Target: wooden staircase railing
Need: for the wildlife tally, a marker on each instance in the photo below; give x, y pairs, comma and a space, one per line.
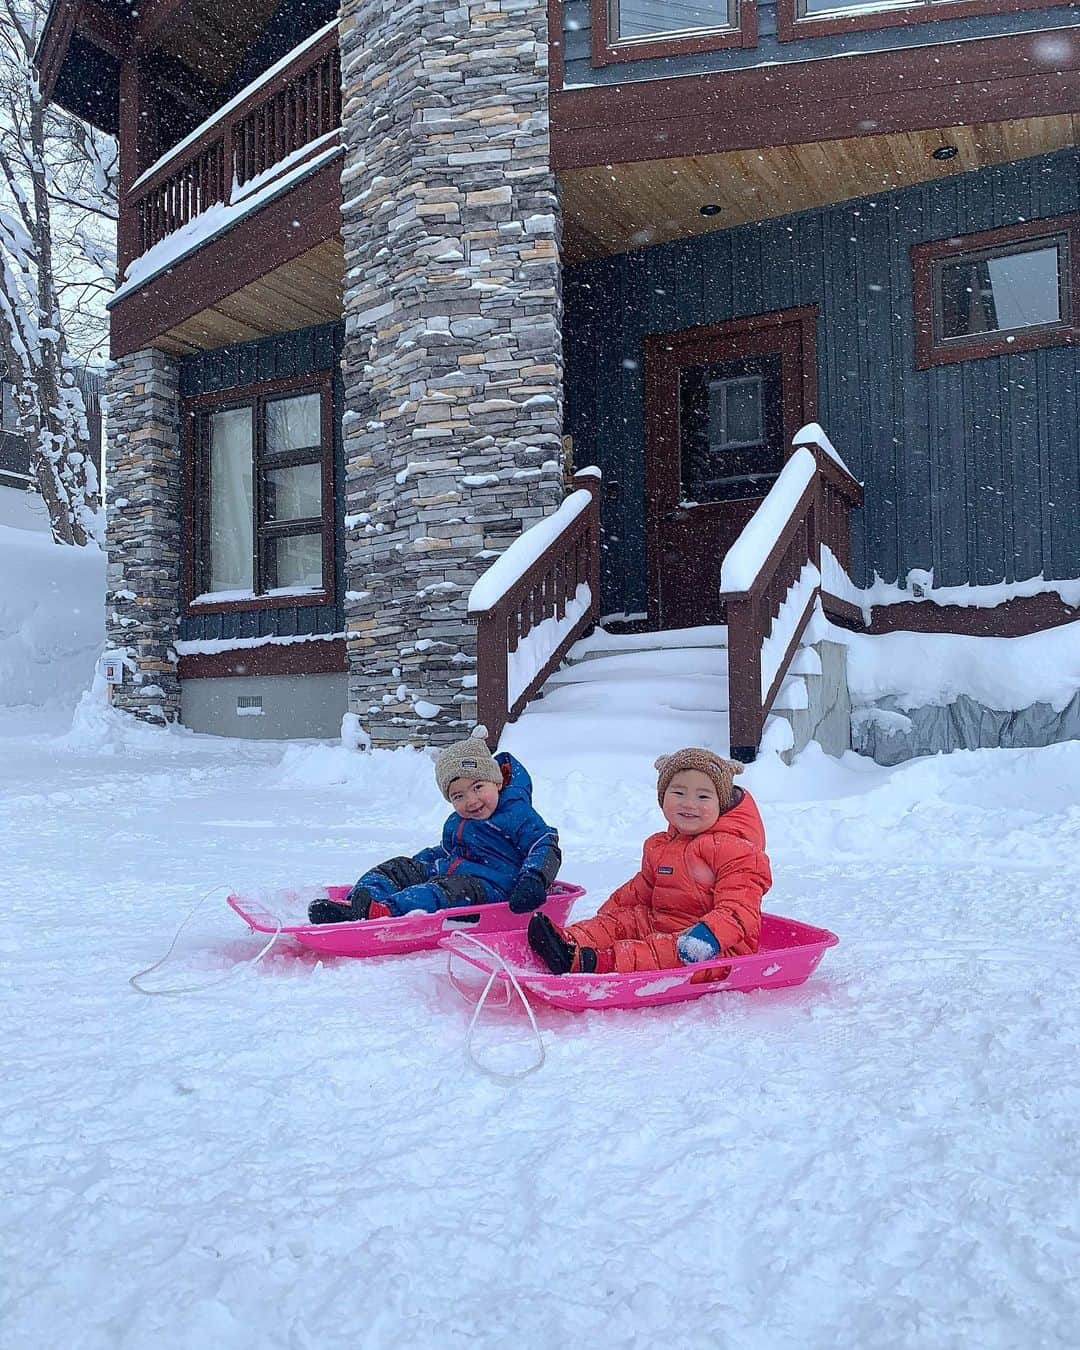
298, 104
534, 603
771, 579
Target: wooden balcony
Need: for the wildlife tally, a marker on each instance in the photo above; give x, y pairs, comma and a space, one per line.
235, 231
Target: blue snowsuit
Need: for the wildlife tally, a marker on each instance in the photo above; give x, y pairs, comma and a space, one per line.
479, 861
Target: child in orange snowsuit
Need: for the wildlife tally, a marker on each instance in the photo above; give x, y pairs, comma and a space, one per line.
698, 894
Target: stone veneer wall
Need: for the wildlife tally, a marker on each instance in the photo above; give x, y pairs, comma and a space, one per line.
891, 735
453, 351
143, 478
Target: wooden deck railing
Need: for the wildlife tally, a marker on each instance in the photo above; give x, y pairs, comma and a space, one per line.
300, 103
534, 603
771, 579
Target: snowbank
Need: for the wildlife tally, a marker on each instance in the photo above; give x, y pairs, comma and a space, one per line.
52, 615
885, 1158
933, 669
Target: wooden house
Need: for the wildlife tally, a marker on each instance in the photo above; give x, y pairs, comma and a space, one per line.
382, 264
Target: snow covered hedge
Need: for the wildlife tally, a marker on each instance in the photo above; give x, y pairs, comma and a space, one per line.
52, 612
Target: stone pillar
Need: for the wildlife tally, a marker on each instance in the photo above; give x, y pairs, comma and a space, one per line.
453, 351
143, 477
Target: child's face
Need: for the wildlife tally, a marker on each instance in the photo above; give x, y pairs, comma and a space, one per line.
690, 802
473, 799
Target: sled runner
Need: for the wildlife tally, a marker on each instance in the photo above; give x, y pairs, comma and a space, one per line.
788, 955
286, 912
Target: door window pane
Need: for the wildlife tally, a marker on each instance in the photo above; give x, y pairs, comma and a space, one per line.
735, 414
294, 423
298, 561
294, 493
231, 501
647, 18
1001, 292
730, 428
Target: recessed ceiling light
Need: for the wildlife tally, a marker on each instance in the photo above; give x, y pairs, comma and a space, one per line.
710, 209
944, 152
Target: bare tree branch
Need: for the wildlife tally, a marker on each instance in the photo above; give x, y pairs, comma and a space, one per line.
57, 205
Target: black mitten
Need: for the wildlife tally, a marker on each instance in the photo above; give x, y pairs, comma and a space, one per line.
528, 892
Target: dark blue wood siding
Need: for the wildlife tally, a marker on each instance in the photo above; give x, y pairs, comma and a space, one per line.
577, 37
283, 356
972, 469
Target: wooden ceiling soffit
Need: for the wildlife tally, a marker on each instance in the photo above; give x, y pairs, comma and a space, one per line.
626, 206
212, 37
304, 291
98, 25
913, 88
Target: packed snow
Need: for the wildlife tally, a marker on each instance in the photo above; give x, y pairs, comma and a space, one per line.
934, 669
303, 1156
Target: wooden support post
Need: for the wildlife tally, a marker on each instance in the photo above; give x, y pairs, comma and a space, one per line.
138, 148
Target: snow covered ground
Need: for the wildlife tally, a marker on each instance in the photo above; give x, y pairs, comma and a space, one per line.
303, 1157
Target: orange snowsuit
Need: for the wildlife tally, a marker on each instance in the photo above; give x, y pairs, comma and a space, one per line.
717, 877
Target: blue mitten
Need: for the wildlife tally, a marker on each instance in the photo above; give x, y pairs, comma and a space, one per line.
528, 892
697, 944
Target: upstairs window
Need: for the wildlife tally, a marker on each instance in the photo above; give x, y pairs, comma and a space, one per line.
656, 18
1001, 291
816, 18
262, 497
634, 30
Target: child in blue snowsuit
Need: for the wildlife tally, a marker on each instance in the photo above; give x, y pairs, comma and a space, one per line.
494, 848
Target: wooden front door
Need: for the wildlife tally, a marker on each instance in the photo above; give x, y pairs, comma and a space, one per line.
722, 404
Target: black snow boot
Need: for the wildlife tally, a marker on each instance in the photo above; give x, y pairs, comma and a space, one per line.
329, 911
561, 956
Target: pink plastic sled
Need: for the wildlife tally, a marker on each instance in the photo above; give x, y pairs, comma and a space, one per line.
388, 937
788, 955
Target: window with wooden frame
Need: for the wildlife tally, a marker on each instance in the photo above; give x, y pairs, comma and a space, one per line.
996, 292
261, 496
818, 18
633, 30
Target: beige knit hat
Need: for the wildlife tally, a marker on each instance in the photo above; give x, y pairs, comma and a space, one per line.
466, 759
719, 771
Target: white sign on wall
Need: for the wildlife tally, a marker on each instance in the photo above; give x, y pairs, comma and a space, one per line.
111, 668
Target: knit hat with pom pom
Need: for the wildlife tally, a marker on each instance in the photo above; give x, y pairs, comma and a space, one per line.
466, 759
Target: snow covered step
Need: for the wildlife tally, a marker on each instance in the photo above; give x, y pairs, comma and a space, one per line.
659, 662
625, 723
663, 662
701, 686
602, 643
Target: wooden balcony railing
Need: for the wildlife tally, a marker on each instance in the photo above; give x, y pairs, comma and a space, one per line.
771, 578
534, 603
296, 104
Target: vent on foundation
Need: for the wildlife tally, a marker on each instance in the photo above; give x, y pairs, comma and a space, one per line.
249, 705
